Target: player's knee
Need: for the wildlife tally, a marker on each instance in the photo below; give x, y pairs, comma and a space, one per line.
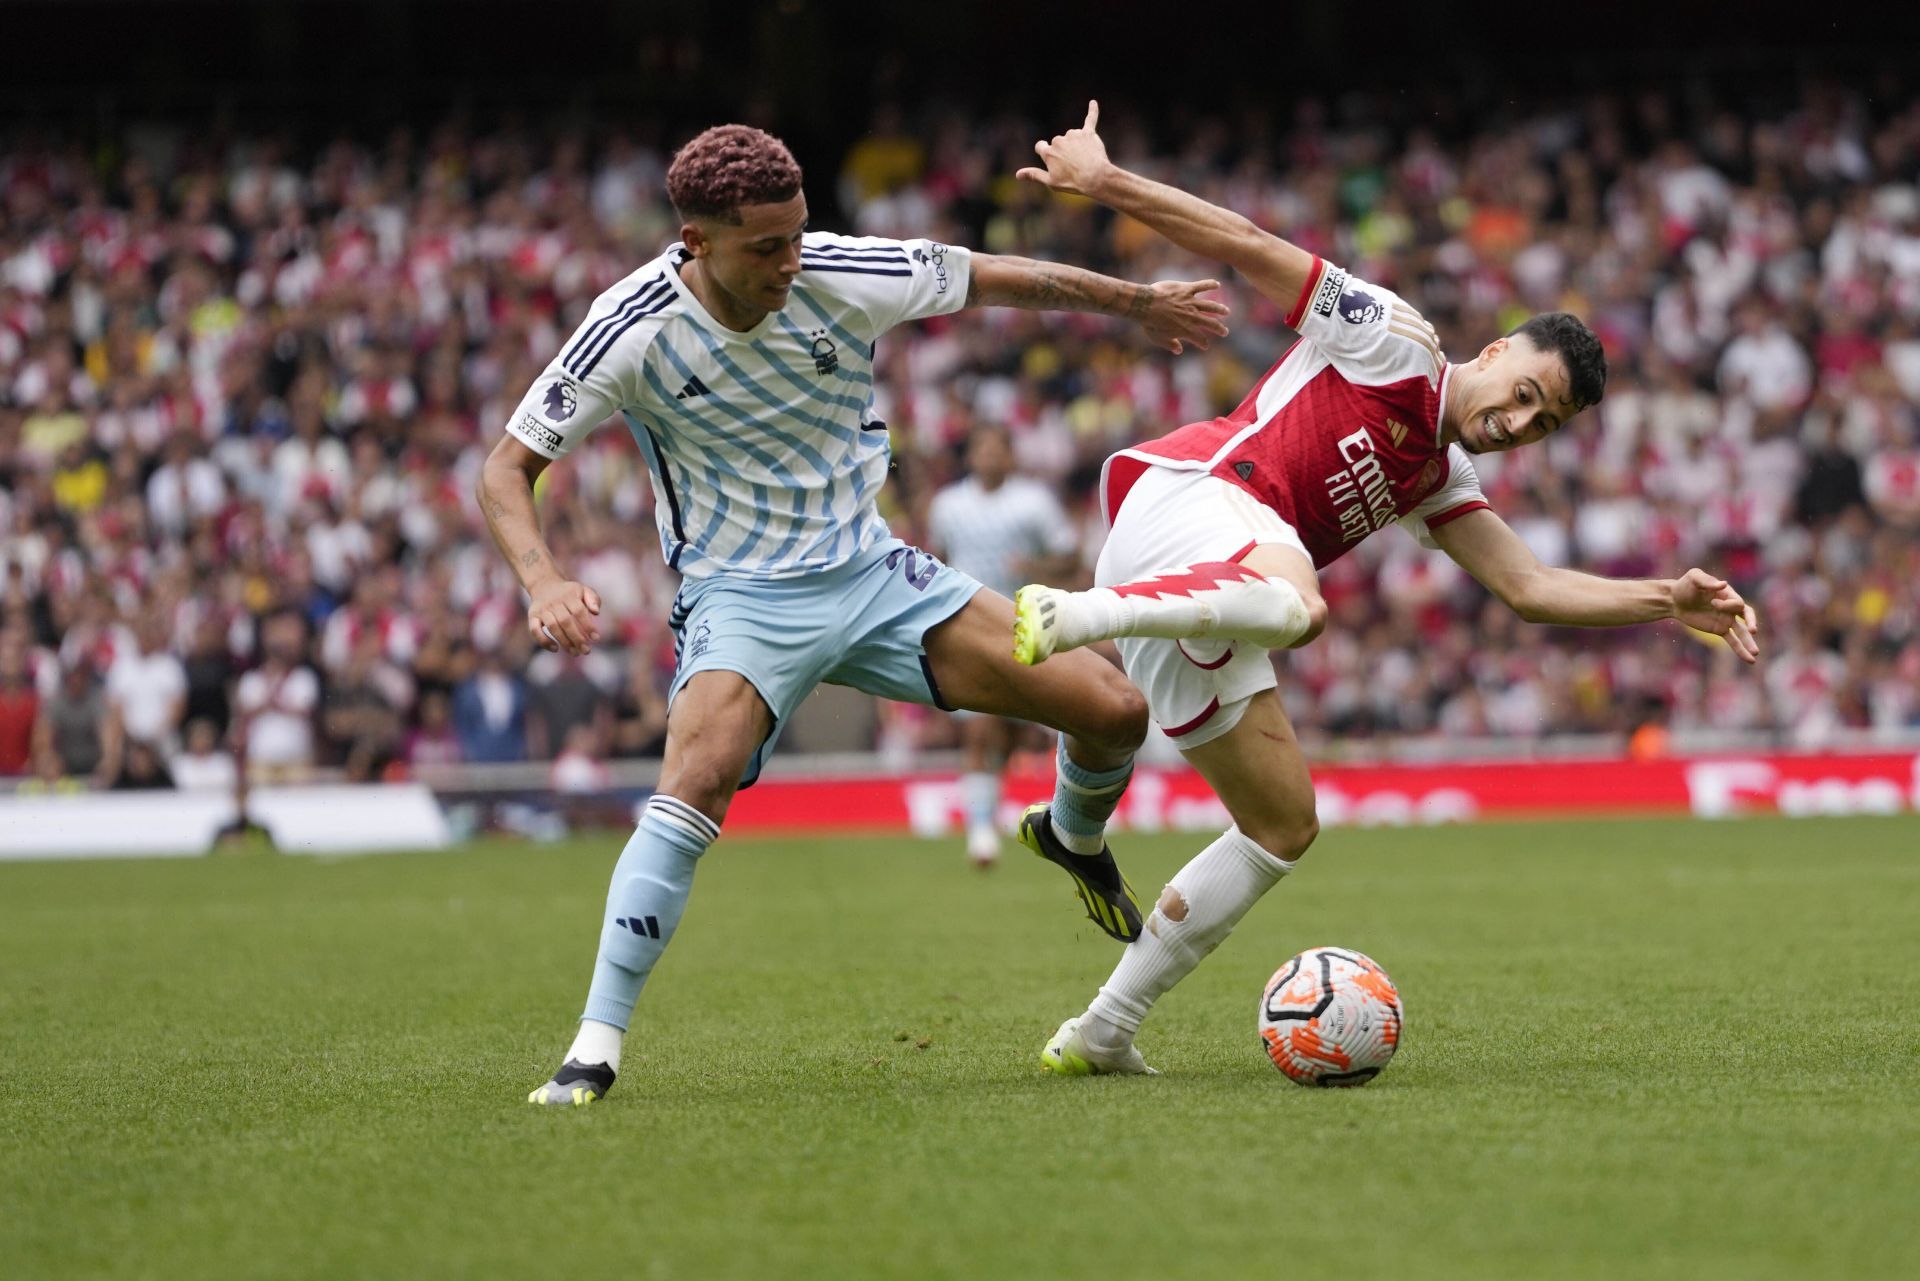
1316, 616
705, 781
1121, 717
1293, 837
1285, 836
1316, 605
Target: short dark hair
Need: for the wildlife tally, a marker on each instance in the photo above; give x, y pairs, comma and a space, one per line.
728, 166
1567, 336
994, 428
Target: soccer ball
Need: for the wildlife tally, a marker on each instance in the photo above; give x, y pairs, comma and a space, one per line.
1330, 1016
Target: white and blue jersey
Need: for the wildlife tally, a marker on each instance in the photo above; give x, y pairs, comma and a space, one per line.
988, 532
765, 454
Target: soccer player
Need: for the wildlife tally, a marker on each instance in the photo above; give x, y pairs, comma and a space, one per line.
742, 361
1003, 529
1216, 532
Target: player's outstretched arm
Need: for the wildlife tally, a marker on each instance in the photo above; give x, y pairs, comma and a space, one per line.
1173, 312
562, 613
1483, 545
1076, 162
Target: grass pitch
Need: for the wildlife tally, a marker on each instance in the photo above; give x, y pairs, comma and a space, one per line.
1633, 1049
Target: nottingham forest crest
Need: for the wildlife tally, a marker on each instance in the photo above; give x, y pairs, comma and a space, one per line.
826, 356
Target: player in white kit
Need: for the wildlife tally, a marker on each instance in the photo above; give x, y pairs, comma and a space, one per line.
1003, 529
1218, 529
742, 362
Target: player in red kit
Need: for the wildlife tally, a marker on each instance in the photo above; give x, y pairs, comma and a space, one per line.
1217, 532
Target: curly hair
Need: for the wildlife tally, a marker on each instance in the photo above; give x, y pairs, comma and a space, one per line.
1566, 335
728, 166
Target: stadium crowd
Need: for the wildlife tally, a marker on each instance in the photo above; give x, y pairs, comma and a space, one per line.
245, 390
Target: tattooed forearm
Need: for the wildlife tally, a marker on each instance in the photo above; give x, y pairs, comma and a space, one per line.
1047, 290
506, 496
1044, 286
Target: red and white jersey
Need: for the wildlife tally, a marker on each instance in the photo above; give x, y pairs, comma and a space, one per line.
1342, 436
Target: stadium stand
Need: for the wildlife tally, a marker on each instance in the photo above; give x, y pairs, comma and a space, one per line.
245, 388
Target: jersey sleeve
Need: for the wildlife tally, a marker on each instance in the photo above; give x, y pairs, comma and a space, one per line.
590, 379
890, 281
1458, 493
1370, 333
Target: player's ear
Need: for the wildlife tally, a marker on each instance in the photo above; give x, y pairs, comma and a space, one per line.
695, 239
1488, 354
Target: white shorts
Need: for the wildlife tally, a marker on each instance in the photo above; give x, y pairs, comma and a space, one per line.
1196, 690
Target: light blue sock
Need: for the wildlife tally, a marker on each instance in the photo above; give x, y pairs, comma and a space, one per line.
980, 796
649, 892
1084, 799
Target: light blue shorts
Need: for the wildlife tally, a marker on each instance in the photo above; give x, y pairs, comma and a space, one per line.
862, 624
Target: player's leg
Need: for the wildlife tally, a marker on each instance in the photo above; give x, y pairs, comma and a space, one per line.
1102, 718
1215, 698
1266, 595
986, 742
1086, 698
1258, 770
713, 729
934, 635
716, 723
736, 682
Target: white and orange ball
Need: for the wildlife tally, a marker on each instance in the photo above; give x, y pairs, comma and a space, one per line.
1330, 1016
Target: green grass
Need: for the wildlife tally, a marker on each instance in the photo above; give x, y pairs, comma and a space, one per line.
1633, 1049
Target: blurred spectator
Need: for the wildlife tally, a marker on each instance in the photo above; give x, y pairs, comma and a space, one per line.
275, 703
1764, 366
148, 688
490, 712
185, 488
433, 742
19, 705
366, 706
78, 735
209, 671
640, 714
564, 699
373, 614
202, 764
144, 769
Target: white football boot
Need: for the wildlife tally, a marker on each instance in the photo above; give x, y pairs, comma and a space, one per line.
1038, 613
1071, 1054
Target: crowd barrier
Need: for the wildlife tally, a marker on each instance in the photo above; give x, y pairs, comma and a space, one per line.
1179, 800
343, 819
299, 820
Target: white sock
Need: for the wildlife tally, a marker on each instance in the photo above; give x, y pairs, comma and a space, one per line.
597, 1043
1203, 903
1218, 599
1078, 842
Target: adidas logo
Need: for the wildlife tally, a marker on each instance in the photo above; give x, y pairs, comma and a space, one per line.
694, 387
1243, 470
647, 927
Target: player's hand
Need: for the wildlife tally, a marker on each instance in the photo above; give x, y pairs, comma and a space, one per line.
1710, 604
1075, 160
1175, 315
563, 616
